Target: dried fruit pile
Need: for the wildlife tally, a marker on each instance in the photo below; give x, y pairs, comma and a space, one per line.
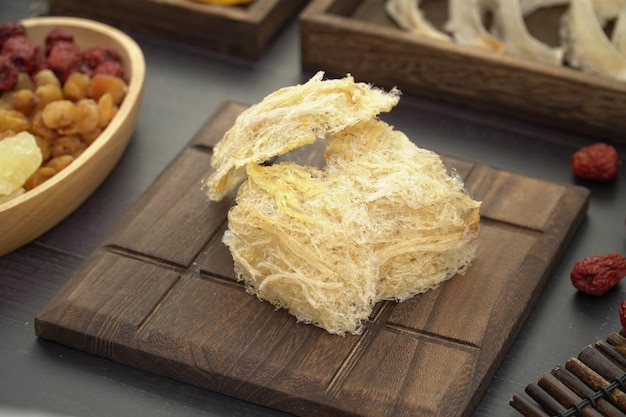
62, 95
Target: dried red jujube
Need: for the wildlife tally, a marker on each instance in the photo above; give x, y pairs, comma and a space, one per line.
597, 162
597, 274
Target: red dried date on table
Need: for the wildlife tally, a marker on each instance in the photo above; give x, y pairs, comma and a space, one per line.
597, 274
597, 162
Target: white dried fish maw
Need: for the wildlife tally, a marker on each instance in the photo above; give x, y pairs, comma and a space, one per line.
408, 16
586, 44
289, 118
465, 23
618, 37
510, 28
605, 10
530, 6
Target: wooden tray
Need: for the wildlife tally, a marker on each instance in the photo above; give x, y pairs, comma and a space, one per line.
245, 32
159, 294
354, 36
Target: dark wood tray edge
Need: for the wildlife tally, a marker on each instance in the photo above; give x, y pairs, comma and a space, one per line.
325, 36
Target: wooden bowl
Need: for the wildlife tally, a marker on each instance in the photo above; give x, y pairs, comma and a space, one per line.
28, 216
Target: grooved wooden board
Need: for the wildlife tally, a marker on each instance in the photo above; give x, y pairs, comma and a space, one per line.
159, 295
241, 31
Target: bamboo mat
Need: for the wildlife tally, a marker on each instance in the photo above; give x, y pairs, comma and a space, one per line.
589, 385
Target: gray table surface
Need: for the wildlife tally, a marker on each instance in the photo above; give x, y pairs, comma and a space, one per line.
186, 86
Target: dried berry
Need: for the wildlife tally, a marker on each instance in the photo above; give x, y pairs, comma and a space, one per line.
97, 55
11, 29
8, 74
597, 274
597, 162
110, 68
22, 52
64, 59
57, 34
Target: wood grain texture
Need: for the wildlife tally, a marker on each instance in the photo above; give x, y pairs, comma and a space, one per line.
244, 32
160, 295
343, 36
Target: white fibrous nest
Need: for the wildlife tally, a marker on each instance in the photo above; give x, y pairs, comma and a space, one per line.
290, 118
382, 220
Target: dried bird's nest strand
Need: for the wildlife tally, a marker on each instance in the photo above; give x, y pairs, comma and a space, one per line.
584, 43
289, 118
381, 220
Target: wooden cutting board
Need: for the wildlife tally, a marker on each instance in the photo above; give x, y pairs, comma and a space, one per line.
159, 295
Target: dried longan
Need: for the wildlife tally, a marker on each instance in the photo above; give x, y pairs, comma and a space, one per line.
68, 145
48, 93
106, 110
39, 177
25, 101
105, 83
59, 114
39, 128
45, 147
75, 87
90, 137
86, 117
13, 120
60, 162
46, 76
69, 130
24, 82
